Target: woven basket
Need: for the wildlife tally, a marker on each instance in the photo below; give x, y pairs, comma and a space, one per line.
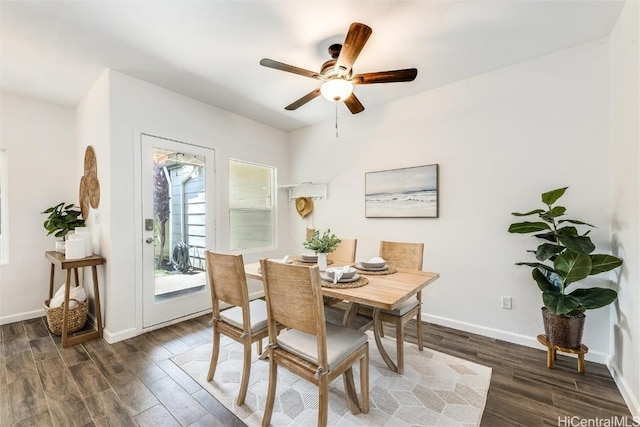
76, 320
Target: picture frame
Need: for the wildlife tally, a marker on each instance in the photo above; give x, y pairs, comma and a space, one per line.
410, 192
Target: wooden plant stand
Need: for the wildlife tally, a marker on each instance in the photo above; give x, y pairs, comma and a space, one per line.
58, 259
552, 349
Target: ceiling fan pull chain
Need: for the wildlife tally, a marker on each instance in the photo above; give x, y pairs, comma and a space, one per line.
336, 120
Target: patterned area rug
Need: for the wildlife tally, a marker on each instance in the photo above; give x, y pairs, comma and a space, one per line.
436, 389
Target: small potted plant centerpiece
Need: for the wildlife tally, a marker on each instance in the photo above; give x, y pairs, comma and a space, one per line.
322, 245
564, 258
62, 218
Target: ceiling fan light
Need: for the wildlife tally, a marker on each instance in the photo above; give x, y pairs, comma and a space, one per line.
336, 90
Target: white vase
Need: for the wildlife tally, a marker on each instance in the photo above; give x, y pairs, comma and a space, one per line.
75, 247
60, 246
86, 235
322, 261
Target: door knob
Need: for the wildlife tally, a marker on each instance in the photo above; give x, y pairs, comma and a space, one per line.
149, 240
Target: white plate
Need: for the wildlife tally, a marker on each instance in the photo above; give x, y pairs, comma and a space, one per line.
372, 264
329, 279
383, 268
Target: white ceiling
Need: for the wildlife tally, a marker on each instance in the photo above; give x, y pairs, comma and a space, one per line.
209, 50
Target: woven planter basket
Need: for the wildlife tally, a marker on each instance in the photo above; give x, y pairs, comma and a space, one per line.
76, 320
563, 331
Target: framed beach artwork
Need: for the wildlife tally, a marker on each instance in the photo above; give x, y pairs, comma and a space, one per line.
402, 193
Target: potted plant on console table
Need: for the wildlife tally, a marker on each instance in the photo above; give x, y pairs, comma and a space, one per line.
322, 245
61, 220
564, 258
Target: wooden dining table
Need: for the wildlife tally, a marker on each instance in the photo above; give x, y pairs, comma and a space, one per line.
382, 292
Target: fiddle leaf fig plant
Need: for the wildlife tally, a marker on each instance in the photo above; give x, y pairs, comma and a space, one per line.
565, 257
62, 218
326, 243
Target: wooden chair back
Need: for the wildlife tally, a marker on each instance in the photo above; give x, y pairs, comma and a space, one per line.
345, 252
294, 300
245, 322
402, 255
228, 282
294, 297
409, 256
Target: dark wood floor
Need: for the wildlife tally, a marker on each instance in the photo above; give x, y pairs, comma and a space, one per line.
134, 383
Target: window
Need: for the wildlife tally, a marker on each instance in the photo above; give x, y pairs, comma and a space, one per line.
4, 214
251, 206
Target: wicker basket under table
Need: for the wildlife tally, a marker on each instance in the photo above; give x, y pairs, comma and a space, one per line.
75, 321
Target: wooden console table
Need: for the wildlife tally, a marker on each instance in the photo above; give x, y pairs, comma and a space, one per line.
58, 259
551, 352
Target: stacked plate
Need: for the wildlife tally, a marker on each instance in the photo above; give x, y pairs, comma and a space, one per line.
374, 264
309, 258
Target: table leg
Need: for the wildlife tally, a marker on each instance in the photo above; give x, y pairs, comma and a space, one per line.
350, 313
376, 335
53, 270
65, 315
75, 274
96, 298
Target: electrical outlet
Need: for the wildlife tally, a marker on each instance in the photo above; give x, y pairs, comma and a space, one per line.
505, 302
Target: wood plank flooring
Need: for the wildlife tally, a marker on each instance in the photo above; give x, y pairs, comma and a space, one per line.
133, 382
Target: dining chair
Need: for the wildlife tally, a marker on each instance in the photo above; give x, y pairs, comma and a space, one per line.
244, 322
345, 252
310, 347
409, 256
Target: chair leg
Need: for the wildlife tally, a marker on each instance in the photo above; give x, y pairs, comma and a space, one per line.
364, 382
323, 401
271, 392
400, 344
419, 320
214, 354
246, 369
259, 347
350, 391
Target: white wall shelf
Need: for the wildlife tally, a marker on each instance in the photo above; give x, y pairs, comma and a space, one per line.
306, 189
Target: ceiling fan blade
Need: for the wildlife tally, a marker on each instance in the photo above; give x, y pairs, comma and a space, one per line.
354, 42
406, 75
300, 102
353, 104
289, 68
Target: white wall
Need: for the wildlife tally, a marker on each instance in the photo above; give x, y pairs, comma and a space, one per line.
134, 105
92, 129
625, 199
40, 142
501, 139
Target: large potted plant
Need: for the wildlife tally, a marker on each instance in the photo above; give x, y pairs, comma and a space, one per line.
62, 218
564, 258
322, 245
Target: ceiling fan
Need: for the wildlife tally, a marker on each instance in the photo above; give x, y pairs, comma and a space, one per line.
336, 74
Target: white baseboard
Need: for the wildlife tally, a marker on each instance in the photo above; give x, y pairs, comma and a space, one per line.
627, 392
19, 317
111, 337
528, 341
